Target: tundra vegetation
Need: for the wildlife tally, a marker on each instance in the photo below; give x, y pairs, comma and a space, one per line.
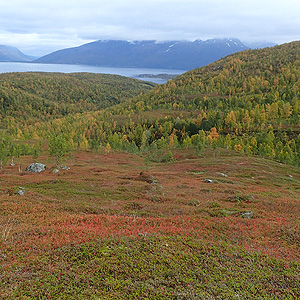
187, 190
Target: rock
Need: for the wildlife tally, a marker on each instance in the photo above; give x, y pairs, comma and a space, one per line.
222, 174
241, 198
21, 191
208, 181
64, 168
247, 214
146, 177
36, 168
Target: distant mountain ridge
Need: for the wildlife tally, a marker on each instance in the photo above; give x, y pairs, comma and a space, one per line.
184, 55
13, 54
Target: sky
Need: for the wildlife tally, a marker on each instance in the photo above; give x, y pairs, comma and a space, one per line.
39, 27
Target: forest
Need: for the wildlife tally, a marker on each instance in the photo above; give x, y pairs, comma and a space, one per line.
248, 102
45, 96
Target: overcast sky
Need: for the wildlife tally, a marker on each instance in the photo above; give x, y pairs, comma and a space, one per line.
38, 27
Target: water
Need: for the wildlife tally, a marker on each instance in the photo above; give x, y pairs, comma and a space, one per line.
7, 67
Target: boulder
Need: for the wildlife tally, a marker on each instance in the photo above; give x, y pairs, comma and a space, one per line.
64, 168
146, 177
21, 191
208, 181
247, 214
222, 174
36, 168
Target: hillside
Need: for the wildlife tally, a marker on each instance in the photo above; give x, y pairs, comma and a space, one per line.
102, 230
251, 99
188, 191
182, 55
266, 80
248, 102
43, 96
12, 54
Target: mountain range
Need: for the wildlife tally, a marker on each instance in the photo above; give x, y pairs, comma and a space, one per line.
12, 54
183, 55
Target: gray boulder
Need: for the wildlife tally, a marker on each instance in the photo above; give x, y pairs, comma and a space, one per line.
65, 168
247, 214
21, 191
36, 168
208, 181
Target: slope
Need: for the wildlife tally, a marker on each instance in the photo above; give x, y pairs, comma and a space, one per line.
250, 82
12, 54
183, 55
44, 96
251, 99
167, 201
247, 102
104, 230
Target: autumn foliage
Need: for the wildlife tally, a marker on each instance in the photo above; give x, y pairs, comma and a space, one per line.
187, 190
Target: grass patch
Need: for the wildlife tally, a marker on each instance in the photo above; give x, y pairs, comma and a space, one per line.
150, 267
106, 230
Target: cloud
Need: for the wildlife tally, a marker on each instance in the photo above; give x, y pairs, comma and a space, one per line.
40, 27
